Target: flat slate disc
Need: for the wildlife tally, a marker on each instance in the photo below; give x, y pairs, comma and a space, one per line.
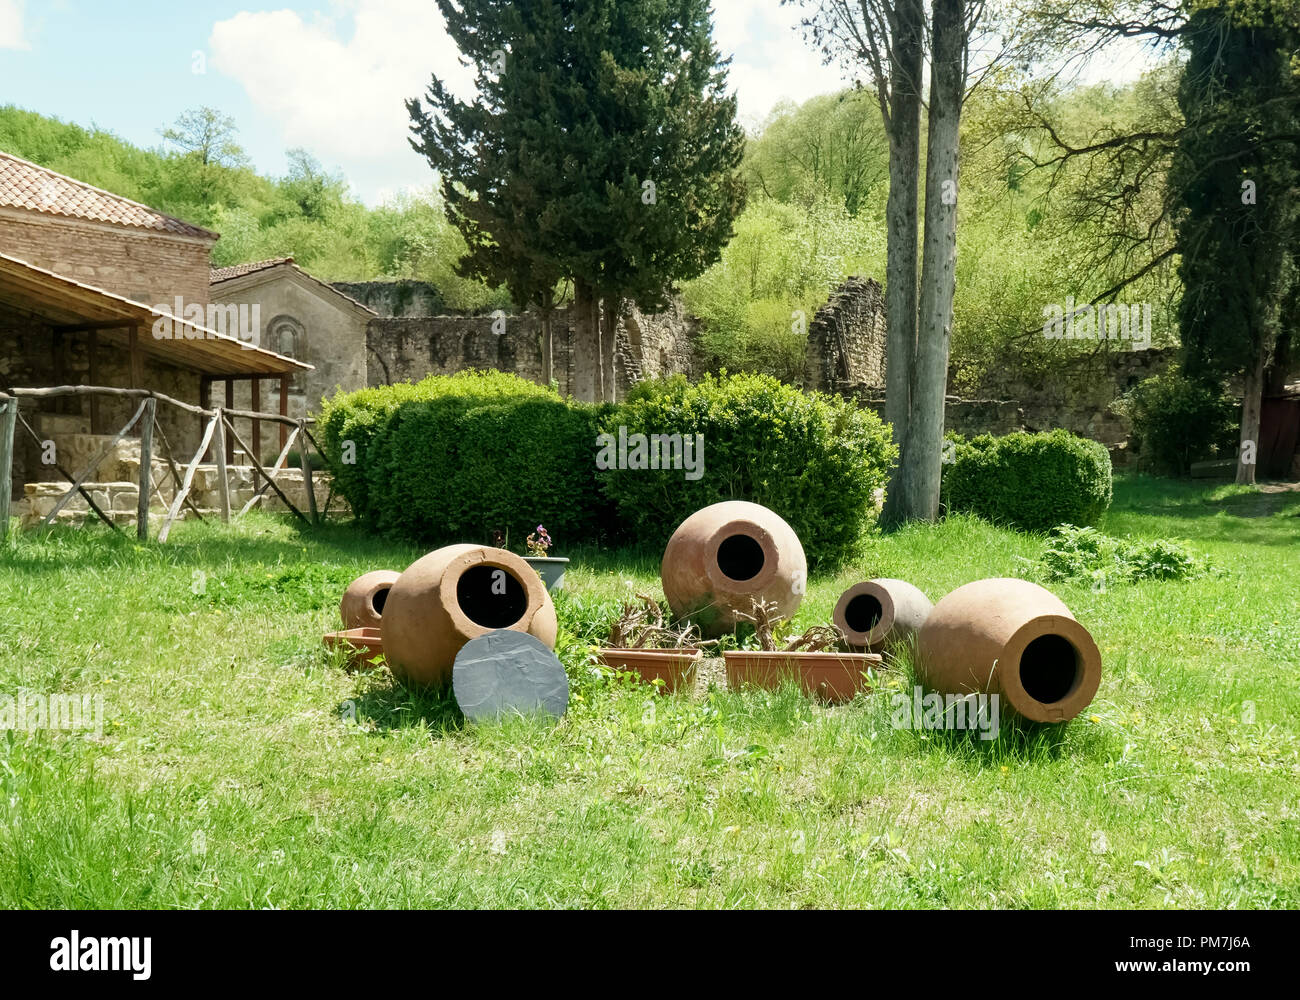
507, 673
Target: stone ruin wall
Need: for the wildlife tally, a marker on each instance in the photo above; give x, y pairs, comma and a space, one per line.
845, 355
402, 348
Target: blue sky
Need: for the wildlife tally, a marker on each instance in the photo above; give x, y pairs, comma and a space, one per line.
329, 76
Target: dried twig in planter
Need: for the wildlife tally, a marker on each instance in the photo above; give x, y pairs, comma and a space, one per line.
642, 626
765, 617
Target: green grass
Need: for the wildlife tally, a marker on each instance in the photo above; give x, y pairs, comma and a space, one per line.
240, 766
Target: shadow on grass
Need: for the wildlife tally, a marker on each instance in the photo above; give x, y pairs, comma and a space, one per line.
392, 706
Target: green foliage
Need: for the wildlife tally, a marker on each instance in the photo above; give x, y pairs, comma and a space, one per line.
1178, 420
1233, 179
832, 146
783, 260
1030, 481
544, 172
813, 459
453, 458
1085, 554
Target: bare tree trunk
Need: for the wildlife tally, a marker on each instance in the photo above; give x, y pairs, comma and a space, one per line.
547, 309
1279, 365
1252, 403
586, 344
939, 261
904, 124
609, 342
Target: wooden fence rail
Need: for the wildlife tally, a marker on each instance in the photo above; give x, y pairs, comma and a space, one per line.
146, 417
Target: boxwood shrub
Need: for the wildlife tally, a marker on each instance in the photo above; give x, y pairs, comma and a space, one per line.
813, 459
1179, 420
453, 458
1030, 481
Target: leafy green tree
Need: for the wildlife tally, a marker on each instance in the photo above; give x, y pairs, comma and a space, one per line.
1236, 174
600, 149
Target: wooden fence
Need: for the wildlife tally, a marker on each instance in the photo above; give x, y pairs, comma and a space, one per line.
146, 418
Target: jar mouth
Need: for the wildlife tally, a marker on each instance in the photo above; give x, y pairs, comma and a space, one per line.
741, 556
486, 590
1050, 669
865, 614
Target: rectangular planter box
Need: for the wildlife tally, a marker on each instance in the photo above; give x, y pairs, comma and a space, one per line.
675, 667
836, 677
361, 644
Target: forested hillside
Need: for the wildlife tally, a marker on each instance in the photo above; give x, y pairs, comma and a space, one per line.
817, 187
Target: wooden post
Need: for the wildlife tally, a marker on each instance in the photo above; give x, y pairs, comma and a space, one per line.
230, 404
136, 376
256, 442
8, 417
305, 452
146, 470
284, 409
223, 478
205, 400
92, 351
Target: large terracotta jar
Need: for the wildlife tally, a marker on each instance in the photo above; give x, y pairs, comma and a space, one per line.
363, 602
877, 614
456, 594
1014, 639
722, 558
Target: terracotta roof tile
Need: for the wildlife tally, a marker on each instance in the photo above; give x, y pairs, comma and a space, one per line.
27, 185
239, 270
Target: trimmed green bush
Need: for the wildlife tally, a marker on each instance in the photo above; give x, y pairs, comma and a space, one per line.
813, 459
1178, 421
1030, 481
453, 458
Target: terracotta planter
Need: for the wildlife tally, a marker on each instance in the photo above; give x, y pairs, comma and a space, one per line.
723, 557
836, 677
879, 613
456, 594
550, 569
361, 644
363, 602
1014, 639
675, 667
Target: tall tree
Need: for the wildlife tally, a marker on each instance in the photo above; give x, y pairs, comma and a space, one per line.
1236, 172
885, 42
601, 148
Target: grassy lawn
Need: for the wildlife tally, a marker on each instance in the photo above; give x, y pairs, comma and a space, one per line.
239, 766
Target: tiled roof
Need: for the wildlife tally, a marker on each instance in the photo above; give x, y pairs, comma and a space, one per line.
239, 270
220, 274
28, 185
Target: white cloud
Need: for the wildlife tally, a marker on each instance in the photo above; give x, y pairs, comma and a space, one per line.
342, 98
771, 61
11, 25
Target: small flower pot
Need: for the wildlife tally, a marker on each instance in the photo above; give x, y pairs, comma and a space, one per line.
550, 569
675, 667
835, 677
361, 644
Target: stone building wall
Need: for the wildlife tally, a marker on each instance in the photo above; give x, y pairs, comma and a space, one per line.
304, 321
146, 266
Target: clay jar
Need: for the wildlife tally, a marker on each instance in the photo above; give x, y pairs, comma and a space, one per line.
879, 613
456, 594
363, 602
1015, 639
722, 558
